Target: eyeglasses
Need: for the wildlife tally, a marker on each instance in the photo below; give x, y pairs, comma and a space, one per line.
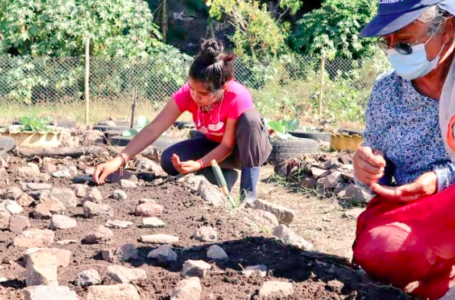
402, 48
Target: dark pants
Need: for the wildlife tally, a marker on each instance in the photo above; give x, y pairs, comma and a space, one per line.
252, 146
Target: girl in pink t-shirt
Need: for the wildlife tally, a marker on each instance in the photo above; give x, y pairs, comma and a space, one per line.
230, 130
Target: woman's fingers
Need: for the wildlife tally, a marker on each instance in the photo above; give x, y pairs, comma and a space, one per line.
406, 193
96, 175
366, 154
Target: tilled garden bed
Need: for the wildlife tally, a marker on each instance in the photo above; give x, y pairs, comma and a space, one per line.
197, 224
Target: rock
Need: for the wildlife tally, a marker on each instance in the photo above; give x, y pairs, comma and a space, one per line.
11, 206
276, 290
261, 218
47, 208
338, 188
63, 257
43, 177
62, 174
211, 195
125, 275
80, 190
127, 184
118, 224
318, 173
25, 200
308, 183
93, 209
206, 234
83, 179
34, 238
331, 164
87, 278
90, 171
12, 193
62, 222
4, 218
41, 269
101, 234
66, 196
335, 286
330, 181
93, 195
92, 137
195, 268
34, 187
215, 252
145, 200
288, 237
123, 253
260, 269
17, 223
119, 195
356, 195
187, 289
159, 239
49, 293
48, 168
283, 214
152, 223
111, 292
66, 242
163, 254
149, 209
29, 171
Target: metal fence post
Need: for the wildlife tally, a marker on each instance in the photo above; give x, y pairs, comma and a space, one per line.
321, 88
87, 77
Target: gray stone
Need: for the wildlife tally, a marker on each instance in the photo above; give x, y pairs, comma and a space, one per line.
18, 223
163, 254
34, 238
48, 168
12, 193
195, 268
260, 269
62, 256
93, 209
66, 242
276, 290
93, 195
261, 218
152, 222
283, 214
330, 181
62, 174
318, 173
159, 239
49, 293
356, 195
331, 164
101, 234
127, 184
215, 252
47, 208
66, 196
80, 190
11, 206
339, 187
4, 218
111, 292
33, 187
119, 195
29, 171
285, 235
88, 278
118, 224
206, 234
25, 200
123, 253
187, 289
125, 275
92, 137
309, 183
149, 209
212, 195
41, 269
62, 222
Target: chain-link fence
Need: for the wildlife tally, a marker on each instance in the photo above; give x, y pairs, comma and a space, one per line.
288, 87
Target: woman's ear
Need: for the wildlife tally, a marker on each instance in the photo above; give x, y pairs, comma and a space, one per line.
449, 30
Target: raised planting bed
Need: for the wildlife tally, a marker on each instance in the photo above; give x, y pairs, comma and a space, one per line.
49, 138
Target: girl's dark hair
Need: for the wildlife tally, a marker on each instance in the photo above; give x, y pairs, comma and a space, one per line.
212, 65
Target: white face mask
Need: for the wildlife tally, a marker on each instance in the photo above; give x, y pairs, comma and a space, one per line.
414, 65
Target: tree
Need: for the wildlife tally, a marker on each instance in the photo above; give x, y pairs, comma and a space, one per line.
257, 32
335, 29
117, 28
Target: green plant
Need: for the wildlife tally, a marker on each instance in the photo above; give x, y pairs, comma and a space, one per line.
283, 127
35, 124
334, 29
141, 123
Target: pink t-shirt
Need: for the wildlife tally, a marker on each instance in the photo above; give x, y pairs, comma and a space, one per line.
237, 99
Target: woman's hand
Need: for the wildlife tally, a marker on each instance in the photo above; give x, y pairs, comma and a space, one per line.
185, 167
369, 165
425, 186
104, 170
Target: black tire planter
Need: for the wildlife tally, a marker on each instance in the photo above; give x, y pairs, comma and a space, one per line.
317, 136
360, 132
287, 149
104, 128
161, 143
